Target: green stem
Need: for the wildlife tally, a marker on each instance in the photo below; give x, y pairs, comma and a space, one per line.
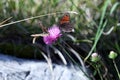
95, 43
100, 29
35, 18
99, 72
118, 73
26, 19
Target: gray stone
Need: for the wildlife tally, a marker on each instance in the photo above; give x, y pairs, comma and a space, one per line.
12, 68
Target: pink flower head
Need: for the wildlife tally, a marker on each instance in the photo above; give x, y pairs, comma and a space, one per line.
54, 34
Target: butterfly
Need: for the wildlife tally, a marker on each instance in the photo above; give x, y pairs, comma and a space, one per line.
64, 23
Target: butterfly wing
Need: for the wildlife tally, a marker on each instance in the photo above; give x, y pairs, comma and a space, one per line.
65, 18
66, 27
65, 24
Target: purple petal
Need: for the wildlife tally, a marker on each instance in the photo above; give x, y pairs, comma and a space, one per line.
54, 34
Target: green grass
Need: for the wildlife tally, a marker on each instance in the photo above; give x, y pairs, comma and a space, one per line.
92, 21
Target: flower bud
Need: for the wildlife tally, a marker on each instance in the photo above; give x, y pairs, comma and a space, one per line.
95, 57
112, 55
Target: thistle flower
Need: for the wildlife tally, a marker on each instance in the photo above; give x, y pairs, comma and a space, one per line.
54, 33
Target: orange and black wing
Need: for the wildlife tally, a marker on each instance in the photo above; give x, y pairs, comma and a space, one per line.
65, 24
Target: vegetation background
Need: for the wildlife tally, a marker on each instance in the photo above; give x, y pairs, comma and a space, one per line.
97, 29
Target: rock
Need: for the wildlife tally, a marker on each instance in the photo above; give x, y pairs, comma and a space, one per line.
12, 68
